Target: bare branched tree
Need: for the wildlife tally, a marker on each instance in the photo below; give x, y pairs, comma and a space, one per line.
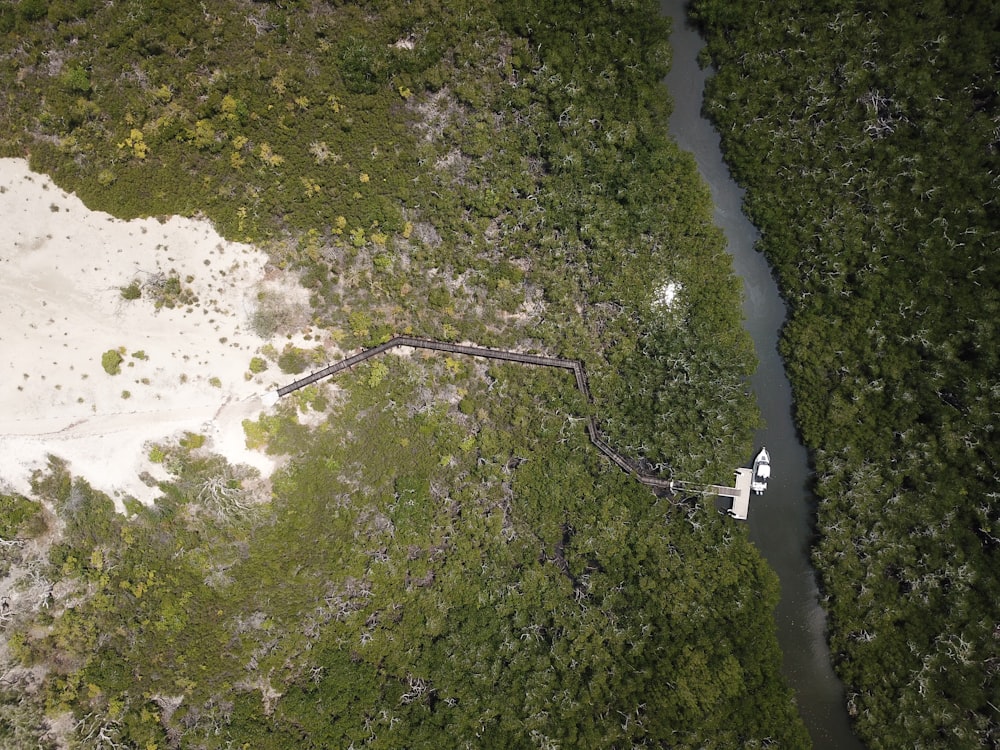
100, 732
225, 493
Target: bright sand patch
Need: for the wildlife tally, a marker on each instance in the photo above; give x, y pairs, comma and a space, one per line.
62, 267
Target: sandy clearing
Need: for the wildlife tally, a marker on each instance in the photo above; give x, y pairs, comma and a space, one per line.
61, 270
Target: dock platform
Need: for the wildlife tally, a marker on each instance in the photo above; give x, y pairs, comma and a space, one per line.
740, 494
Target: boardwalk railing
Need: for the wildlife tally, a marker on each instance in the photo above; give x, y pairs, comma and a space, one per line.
625, 464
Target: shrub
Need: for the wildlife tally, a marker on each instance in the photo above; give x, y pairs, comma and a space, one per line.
169, 291
192, 441
439, 298
258, 365
256, 434
111, 361
33, 10
132, 291
293, 360
376, 374
76, 80
16, 514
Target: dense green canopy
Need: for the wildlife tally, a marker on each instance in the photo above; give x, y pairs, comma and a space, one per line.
443, 559
868, 136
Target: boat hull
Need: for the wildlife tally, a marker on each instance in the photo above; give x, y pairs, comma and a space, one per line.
761, 472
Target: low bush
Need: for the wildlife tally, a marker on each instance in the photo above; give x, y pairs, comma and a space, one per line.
293, 360
131, 292
111, 361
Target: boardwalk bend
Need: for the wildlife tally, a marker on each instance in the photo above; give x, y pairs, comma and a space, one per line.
740, 494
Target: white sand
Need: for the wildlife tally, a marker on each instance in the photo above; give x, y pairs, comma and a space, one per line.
61, 270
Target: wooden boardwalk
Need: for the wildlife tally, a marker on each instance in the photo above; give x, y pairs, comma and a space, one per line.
740, 494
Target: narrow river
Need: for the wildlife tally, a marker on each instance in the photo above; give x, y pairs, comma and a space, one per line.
780, 520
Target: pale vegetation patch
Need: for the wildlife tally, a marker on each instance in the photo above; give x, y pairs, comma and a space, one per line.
666, 295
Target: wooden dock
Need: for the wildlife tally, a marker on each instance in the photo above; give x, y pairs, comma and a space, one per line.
740, 494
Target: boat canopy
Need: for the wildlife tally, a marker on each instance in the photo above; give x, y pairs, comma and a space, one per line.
764, 470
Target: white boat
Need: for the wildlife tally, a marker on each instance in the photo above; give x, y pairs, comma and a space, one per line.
761, 472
